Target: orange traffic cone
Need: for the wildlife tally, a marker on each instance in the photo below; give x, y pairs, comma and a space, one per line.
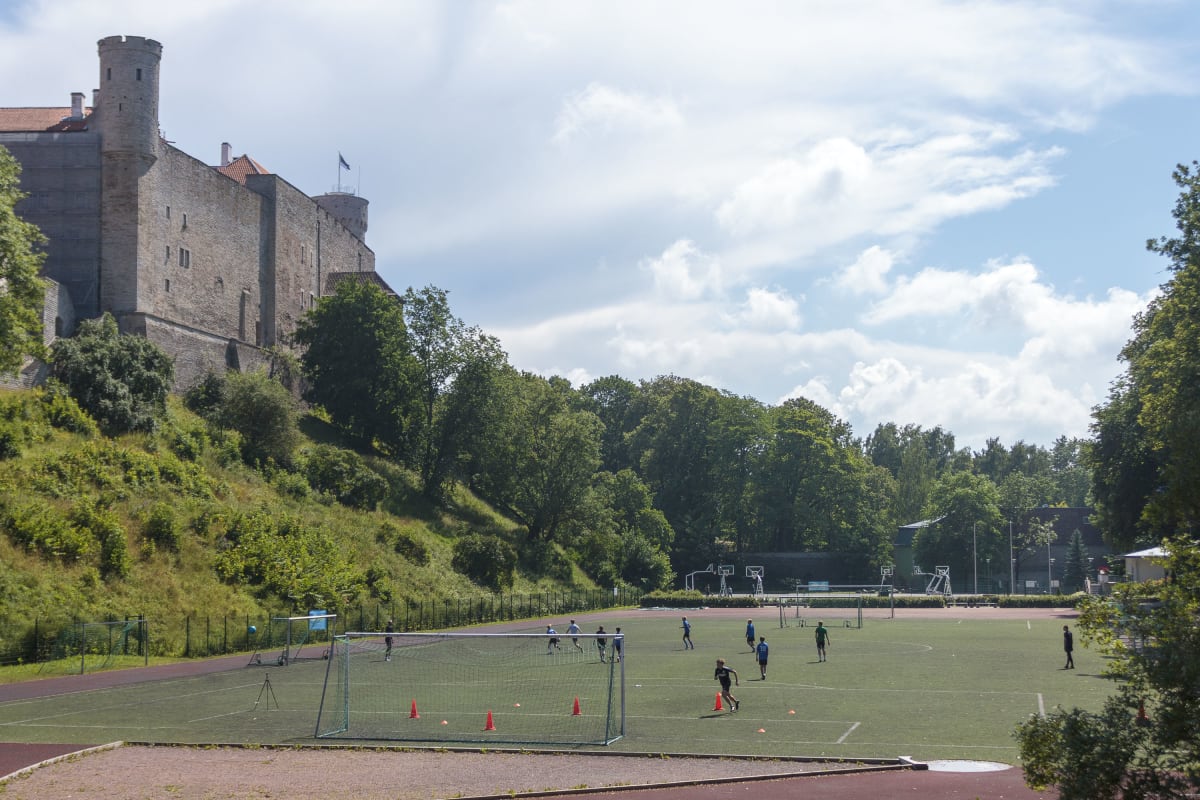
576, 712
718, 706
413, 714
490, 725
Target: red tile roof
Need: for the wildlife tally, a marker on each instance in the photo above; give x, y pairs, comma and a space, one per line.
242, 166
38, 120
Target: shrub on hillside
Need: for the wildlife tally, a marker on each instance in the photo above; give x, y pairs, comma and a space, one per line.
162, 527
344, 475
64, 413
259, 409
103, 525
413, 550
121, 381
39, 527
487, 560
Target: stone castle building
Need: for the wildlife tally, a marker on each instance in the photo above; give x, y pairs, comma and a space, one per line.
212, 263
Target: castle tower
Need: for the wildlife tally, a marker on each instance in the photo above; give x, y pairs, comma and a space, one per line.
126, 116
348, 209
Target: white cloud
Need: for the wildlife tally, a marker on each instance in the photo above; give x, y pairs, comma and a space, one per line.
682, 272
767, 309
603, 108
868, 273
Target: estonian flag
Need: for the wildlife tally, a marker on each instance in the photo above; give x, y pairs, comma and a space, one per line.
342, 162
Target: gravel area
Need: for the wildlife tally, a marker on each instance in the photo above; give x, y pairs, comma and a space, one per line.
229, 773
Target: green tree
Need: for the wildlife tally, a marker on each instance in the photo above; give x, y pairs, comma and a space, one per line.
22, 292
1076, 568
460, 369
1146, 457
262, 411
121, 381
540, 455
970, 528
360, 369
1106, 755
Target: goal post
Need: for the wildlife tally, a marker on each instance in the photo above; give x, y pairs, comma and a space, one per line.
290, 636
91, 646
838, 609
511, 688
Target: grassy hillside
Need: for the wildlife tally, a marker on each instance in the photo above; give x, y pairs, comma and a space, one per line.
172, 525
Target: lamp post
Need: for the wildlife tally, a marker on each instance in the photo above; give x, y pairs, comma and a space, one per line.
1049, 567
1012, 561
989, 575
975, 557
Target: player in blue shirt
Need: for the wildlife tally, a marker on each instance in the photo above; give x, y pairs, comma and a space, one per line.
750, 634
687, 635
722, 674
761, 650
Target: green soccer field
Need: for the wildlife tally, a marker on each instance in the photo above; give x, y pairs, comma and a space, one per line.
950, 687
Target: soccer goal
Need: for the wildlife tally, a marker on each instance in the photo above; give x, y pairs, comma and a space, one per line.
290, 636
92, 646
835, 609
513, 688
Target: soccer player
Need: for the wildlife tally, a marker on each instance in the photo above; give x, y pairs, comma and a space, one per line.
387, 641
822, 637
573, 631
1069, 646
601, 641
722, 673
687, 635
618, 645
761, 650
552, 642
750, 634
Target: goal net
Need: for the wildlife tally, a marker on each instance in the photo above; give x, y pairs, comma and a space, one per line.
837, 610
92, 646
294, 638
515, 688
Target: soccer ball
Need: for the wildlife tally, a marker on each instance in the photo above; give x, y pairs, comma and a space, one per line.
252, 630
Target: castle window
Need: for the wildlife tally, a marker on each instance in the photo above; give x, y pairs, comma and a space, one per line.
168, 212
108, 74
139, 73
185, 257
185, 221
167, 284
168, 258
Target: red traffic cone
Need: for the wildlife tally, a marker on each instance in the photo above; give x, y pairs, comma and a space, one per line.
1142, 719
490, 725
413, 714
576, 712
718, 706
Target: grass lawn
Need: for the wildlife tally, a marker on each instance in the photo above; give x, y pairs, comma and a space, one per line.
953, 686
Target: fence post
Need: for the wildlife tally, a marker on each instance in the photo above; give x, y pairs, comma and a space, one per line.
187, 636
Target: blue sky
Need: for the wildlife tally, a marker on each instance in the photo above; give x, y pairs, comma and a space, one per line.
924, 212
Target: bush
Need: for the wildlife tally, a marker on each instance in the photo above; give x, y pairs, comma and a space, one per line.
64, 413
487, 560
290, 484
37, 526
162, 528
102, 524
10, 441
121, 381
403, 544
259, 409
694, 599
345, 476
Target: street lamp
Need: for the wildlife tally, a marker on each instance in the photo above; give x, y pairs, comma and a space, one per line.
1012, 561
975, 557
989, 575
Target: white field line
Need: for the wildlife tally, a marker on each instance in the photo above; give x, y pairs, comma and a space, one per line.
843, 737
